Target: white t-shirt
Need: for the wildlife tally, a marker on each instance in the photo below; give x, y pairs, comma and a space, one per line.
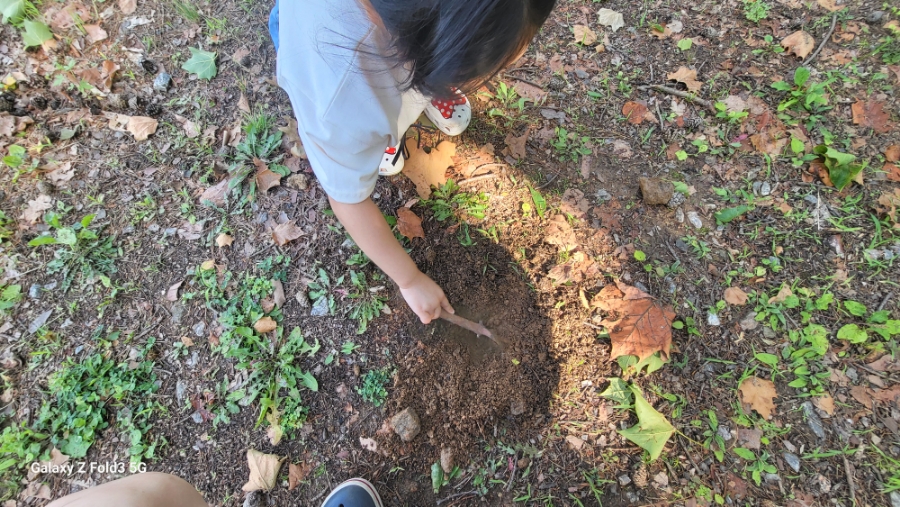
347, 100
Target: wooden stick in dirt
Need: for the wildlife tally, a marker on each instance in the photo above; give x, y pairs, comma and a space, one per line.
678, 93
475, 327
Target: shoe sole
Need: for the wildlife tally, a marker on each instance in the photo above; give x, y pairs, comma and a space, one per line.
357, 482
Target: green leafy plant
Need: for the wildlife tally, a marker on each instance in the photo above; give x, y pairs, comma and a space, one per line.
570, 146
448, 201
202, 63
373, 385
321, 290
349, 348
365, 303
652, 431
712, 440
86, 393
757, 464
21, 14
803, 95
9, 297
540, 204
842, 168
756, 10
83, 253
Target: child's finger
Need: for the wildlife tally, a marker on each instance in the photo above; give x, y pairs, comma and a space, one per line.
445, 304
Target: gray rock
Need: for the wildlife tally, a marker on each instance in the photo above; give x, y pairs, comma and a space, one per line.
679, 216
603, 195
255, 499
811, 199
406, 424
39, 321
34, 292
895, 499
873, 253
677, 200
200, 329
447, 460
162, 82
624, 480
557, 83
298, 181
178, 311
656, 191
793, 461
724, 432
772, 478
581, 74
197, 418
694, 218
713, 319
813, 420
320, 308
765, 189
749, 323
641, 286
768, 333
875, 17
180, 389
302, 299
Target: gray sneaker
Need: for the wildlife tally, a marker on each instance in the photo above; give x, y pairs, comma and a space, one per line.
353, 493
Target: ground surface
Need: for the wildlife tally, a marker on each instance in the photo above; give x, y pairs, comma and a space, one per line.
145, 340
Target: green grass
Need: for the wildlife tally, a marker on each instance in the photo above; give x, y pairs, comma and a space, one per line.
365, 303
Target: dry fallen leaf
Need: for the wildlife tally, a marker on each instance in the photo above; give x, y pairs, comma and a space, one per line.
216, 193
800, 43
172, 293
128, 6
577, 269
575, 203
784, 293
244, 104
57, 458
871, 113
278, 293
892, 153
286, 232
584, 35
427, 169
824, 403
263, 470
223, 240
830, 5
530, 91
187, 341
61, 174
664, 34
36, 208
636, 112
142, 127
7, 125
638, 325
686, 76
863, 395
608, 17
265, 177
558, 232
735, 296
368, 444
265, 325
515, 146
759, 394
95, 33
291, 140
409, 224
297, 473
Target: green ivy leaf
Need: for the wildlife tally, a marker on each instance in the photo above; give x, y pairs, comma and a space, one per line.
852, 333
640, 256
685, 44
856, 309
42, 240
437, 477
652, 430
681, 155
540, 204
202, 63
36, 33
727, 215
619, 392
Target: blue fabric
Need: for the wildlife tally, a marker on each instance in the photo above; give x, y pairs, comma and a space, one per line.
273, 25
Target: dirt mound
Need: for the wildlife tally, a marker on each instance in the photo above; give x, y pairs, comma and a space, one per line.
466, 388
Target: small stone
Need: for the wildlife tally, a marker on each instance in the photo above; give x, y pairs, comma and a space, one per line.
641, 286
200, 329
9, 360
39, 321
873, 253
724, 432
875, 16
302, 299
749, 322
765, 189
34, 292
447, 460
813, 420
557, 83
768, 333
255, 499
603, 195
197, 418
298, 181
811, 199
713, 319
517, 407
772, 478
320, 308
656, 191
895, 499
677, 200
581, 73
624, 480
679, 216
162, 82
694, 218
793, 461
406, 424
180, 389
178, 311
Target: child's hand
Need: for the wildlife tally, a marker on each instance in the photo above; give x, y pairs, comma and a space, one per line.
425, 298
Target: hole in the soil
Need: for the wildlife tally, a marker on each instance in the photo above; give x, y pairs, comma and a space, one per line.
478, 347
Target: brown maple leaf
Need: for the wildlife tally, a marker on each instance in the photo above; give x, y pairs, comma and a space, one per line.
686, 76
515, 145
759, 394
800, 43
577, 269
409, 224
871, 113
638, 325
265, 177
297, 472
427, 169
286, 232
636, 112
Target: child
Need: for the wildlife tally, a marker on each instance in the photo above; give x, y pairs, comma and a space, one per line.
360, 72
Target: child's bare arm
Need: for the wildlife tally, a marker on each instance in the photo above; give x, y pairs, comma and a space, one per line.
372, 234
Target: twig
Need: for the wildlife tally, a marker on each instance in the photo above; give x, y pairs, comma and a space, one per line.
475, 327
512, 476
478, 178
454, 497
850, 480
885, 301
824, 41
678, 93
548, 182
526, 82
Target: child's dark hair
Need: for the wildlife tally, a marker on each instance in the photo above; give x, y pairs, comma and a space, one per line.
459, 43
